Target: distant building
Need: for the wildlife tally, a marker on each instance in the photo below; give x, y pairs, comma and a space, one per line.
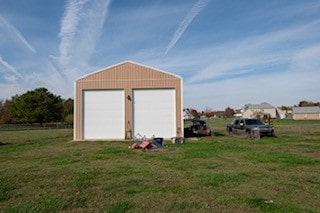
188, 114
238, 113
306, 113
264, 109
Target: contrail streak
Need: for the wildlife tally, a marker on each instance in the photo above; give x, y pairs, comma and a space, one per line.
79, 22
68, 29
10, 67
80, 29
186, 22
20, 36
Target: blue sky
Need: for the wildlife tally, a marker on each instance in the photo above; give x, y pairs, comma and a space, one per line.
229, 53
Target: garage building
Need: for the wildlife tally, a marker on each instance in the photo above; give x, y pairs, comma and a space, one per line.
125, 100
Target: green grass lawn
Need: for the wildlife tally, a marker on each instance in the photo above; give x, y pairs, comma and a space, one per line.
44, 171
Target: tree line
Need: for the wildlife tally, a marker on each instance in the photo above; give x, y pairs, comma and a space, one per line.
227, 113
36, 106
301, 104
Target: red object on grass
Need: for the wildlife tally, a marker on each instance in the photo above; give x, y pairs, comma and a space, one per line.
144, 144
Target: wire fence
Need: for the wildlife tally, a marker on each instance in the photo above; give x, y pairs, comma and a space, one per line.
46, 126
15, 133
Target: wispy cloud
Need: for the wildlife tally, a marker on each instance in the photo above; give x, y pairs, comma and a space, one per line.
81, 27
69, 26
11, 68
186, 22
257, 52
18, 34
260, 63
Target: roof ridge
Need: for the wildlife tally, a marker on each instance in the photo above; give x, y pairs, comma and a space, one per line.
124, 62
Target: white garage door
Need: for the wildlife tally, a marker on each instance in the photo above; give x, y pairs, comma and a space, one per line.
103, 114
154, 112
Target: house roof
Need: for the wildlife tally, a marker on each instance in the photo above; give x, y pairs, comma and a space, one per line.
263, 105
304, 110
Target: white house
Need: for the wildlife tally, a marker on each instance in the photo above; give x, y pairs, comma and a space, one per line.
252, 110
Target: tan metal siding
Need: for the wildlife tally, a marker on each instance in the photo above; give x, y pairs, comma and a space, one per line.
311, 116
127, 76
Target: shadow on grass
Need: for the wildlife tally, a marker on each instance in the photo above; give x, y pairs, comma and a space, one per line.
123, 206
215, 134
3, 143
266, 205
218, 134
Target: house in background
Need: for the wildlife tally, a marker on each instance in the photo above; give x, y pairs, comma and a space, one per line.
252, 110
188, 114
306, 113
238, 113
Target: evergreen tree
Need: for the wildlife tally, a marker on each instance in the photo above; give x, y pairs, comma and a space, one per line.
37, 106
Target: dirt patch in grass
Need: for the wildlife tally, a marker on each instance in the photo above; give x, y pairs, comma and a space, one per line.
159, 150
2, 143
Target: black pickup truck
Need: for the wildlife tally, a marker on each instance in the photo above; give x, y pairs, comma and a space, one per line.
249, 127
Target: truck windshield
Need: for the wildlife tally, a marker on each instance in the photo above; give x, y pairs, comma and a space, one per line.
254, 122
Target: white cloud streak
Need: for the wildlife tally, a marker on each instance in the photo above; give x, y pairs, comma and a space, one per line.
12, 69
186, 22
81, 27
18, 34
69, 25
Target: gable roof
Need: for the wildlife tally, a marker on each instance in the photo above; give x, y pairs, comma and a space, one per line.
304, 110
263, 105
130, 63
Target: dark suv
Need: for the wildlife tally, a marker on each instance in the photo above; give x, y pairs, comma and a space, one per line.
251, 127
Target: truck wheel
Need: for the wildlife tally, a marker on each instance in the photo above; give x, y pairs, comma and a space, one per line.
248, 134
192, 132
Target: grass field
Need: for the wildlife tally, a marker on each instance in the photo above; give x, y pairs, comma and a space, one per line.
44, 171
